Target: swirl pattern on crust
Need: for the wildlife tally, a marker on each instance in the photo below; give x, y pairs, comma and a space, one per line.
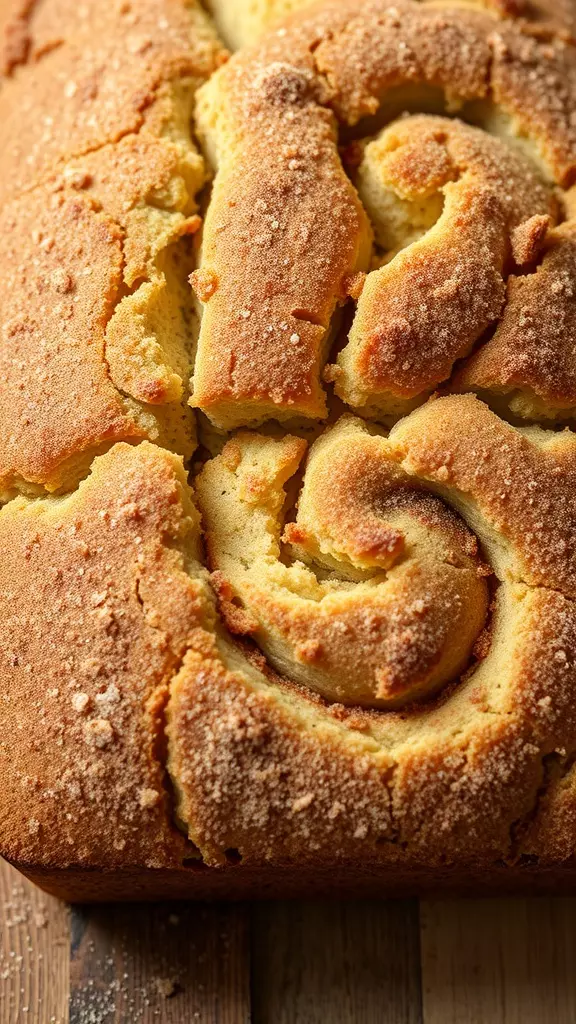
430, 304
403, 596
259, 764
285, 236
325, 643
455, 779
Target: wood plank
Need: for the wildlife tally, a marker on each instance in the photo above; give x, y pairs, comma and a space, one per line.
171, 962
340, 962
507, 961
34, 953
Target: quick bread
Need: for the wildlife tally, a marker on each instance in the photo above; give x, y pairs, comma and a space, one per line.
288, 534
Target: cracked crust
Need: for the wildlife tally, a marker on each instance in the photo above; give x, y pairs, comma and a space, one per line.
93, 74
81, 722
379, 671
285, 233
98, 307
63, 359
62, 264
293, 779
530, 360
516, 487
259, 765
436, 297
373, 596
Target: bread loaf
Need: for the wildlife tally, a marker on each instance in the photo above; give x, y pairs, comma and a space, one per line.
287, 458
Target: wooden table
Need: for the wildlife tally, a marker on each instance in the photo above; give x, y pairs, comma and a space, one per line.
455, 962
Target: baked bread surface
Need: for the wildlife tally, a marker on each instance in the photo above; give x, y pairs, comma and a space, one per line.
287, 457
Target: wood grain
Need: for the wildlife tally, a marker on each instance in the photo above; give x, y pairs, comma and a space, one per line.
337, 962
499, 961
34, 953
173, 963
454, 962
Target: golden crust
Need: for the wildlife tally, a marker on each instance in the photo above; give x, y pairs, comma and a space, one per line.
96, 612
290, 778
264, 326
98, 339
415, 592
147, 186
426, 308
93, 74
400, 599
62, 264
277, 788
285, 233
530, 360
244, 20
517, 486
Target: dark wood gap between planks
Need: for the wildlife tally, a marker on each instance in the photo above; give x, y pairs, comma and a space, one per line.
440, 962
281, 962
